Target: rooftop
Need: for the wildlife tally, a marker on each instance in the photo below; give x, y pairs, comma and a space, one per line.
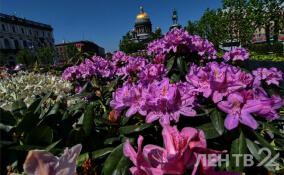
23, 21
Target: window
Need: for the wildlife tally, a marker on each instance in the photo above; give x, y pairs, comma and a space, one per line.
7, 44
3, 27
30, 32
22, 30
13, 28
17, 46
25, 44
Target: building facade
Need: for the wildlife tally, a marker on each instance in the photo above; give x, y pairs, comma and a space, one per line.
83, 46
142, 27
19, 33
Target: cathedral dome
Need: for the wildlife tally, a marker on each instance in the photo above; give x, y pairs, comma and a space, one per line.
142, 18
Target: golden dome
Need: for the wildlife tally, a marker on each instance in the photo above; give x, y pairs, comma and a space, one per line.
142, 15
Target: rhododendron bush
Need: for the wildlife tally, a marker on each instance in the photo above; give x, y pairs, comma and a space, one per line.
181, 104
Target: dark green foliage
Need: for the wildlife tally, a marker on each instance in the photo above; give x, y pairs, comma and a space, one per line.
129, 46
2, 58
46, 55
25, 56
265, 48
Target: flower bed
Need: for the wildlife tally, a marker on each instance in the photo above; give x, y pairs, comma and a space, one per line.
29, 85
186, 105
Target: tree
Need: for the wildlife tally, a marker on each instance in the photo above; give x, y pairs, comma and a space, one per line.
128, 46
267, 14
72, 53
25, 56
192, 28
210, 26
155, 35
46, 55
239, 21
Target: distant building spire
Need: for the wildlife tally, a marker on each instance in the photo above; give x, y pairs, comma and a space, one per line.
175, 20
175, 17
141, 9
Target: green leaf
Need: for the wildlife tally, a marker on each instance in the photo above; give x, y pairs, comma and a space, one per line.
81, 159
263, 142
73, 108
238, 147
101, 152
88, 121
54, 109
122, 167
6, 128
116, 163
170, 64
181, 65
42, 101
19, 107
217, 121
84, 87
51, 146
82, 95
4, 143
254, 150
175, 78
40, 135
110, 141
7, 118
280, 142
133, 128
209, 130
34, 105
27, 123
273, 129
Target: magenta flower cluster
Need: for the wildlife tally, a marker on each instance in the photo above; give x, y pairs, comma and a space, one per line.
218, 80
271, 76
158, 100
152, 72
238, 53
243, 96
179, 37
98, 66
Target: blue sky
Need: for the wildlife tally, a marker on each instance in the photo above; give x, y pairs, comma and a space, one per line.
103, 21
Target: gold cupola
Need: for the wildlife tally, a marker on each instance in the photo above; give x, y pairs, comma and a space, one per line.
142, 14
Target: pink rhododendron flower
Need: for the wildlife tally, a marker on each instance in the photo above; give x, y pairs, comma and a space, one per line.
142, 165
238, 53
239, 107
218, 80
159, 59
40, 162
179, 37
152, 72
165, 102
159, 100
181, 152
120, 58
271, 76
